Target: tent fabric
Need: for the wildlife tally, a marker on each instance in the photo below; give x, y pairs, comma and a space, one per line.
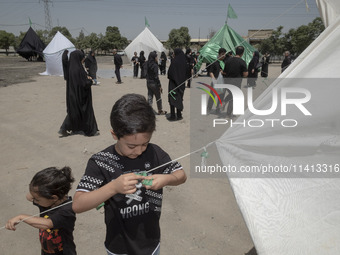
226, 38
329, 10
31, 45
145, 41
294, 215
53, 53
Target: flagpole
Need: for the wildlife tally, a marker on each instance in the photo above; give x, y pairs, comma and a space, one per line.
226, 21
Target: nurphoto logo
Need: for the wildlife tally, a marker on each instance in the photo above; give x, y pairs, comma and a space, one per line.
283, 97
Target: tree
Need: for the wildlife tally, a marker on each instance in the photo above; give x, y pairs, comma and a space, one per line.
80, 40
179, 38
296, 40
304, 35
6, 40
114, 40
92, 41
43, 35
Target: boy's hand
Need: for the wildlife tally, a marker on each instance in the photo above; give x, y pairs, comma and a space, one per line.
158, 181
10, 225
161, 180
126, 183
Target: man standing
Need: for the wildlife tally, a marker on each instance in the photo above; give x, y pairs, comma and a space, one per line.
118, 64
135, 61
286, 62
235, 69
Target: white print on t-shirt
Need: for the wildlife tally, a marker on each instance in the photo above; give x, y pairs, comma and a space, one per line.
135, 210
134, 196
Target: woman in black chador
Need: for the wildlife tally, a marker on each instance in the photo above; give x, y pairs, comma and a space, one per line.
65, 63
153, 83
91, 66
142, 60
253, 70
80, 116
265, 62
177, 77
162, 63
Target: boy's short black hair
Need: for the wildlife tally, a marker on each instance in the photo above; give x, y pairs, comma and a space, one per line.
132, 114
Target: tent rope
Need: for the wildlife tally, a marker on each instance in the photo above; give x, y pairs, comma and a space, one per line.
35, 215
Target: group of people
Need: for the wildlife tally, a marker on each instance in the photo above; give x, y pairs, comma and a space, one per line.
180, 71
127, 178
234, 69
139, 61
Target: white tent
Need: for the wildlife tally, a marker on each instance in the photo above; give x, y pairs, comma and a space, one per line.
145, 41
53, 53
294, 215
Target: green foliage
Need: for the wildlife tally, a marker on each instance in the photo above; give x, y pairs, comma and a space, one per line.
80, 40
113, 39
296, 40
43, 35
179, 38
6, 40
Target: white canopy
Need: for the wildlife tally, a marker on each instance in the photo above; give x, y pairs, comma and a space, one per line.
53, 53
294, 215
146, 42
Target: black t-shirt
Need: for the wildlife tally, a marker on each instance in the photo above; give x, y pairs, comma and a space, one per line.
135, 60
59, 239
132, 221
215, 68
234, 69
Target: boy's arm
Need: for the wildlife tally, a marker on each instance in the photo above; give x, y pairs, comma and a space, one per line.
161, 180
124, 184
36, 222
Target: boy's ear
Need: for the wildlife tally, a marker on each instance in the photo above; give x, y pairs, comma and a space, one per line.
113, 134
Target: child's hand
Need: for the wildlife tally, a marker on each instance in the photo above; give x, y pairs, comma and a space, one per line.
126, 183
158, 181
10, 225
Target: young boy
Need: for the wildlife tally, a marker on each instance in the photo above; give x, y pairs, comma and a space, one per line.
49, 189
132, 210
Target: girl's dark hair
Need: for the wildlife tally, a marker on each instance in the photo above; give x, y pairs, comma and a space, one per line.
52, 181
132, 114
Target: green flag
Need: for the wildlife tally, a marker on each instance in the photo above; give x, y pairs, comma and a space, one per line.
231, 13
30, 21
147, 23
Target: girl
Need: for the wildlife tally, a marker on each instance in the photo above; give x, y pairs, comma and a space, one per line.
48, 189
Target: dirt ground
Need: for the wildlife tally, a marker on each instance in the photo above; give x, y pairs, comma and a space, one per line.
198, 217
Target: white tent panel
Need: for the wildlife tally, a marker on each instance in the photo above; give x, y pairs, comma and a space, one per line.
53, 53
294, 215
145, 41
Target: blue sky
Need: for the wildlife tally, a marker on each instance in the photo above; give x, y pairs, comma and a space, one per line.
200, 16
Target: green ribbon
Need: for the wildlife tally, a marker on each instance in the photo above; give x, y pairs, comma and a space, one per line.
172, 93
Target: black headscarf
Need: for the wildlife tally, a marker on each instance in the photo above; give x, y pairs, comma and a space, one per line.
178, 67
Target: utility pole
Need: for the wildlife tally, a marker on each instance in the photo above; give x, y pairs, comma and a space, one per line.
48, 22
